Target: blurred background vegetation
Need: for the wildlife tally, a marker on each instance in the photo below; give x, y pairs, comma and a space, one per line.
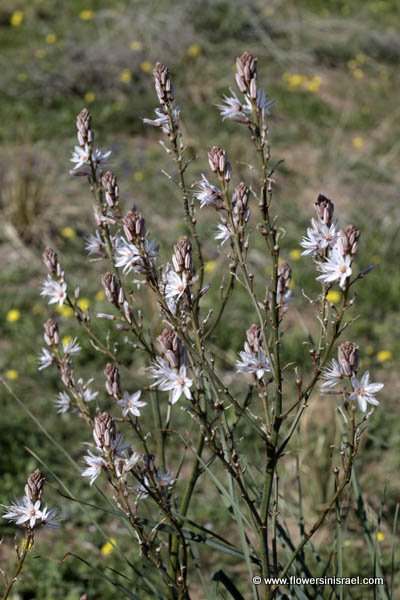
332, 67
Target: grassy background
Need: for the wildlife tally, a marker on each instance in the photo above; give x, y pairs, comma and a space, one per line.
333, 68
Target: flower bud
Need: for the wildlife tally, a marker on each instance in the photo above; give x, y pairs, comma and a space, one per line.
113, 385
112, 288
134, 227
84, 130
240, 201
51, 262
254, 339
348, 358
34, 486
51, 334
182, 257
162, 82
246, 74
172, 348
348, 240
219, 163
324, 209
284, 279
109, 183
104, 431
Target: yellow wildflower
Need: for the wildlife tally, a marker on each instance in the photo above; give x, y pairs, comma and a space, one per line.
146, 66
380, 536
84, 303
16, 18
384, 355
138, 176
358, 73
125, 76
65, 311
12, 374
295, 254
333, 296
108, 547
68, 233
358, 142
136, 46
210, 267
13, 315
86, 15
313, 84
194, 50
51, 38
100, 295
66, 339
90, 96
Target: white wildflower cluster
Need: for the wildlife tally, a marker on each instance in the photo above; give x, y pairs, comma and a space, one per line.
169, 379
29, 511
163, 119
344, 371
253, 359
130, 258
333, 250
87, 156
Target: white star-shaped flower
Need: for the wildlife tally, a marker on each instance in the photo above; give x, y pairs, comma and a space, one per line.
364, 392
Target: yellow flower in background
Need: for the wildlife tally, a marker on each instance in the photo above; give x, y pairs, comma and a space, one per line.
333, 296
210, 267
295, 81
384, 355
357, 142
146, 66
65, 311
90, 96
108, 547
358, 74
13, 315
83, 303
12, 374
136, 45
100, 295
138, 176
16, 18
295, 254
40, 53
313, 84
68, 233
86, 15
379, 536
194, 50
125, 76
66, 339
51, 38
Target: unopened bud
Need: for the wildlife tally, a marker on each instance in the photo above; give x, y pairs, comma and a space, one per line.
162, 82
182, 257
348, 358
246, 74
324, 209
84, 129
113, 385
172, 348
104, 430
219, 163
51, 334
109, 183
112, 288
34, 486
134, 227
51, 262
348, 240
254, 339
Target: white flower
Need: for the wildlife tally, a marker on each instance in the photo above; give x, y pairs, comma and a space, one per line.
320, 236
333, 375
80, 156
100, 157
45, 359
257, 364
63, 402
124, 465
262, 103
49, 518
127, 256
55, 290
23, 511
96, 463
233, 109
71, 347
177, 383
162, 119
336, 268
208, 194
223, 233
175, 286
84, 390
160, 370
142, 489
131, 404
364, 392
164, 478
94, 244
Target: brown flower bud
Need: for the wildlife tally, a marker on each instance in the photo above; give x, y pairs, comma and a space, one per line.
134, 227
51, 334
113, 385
83, 126
348, 358
182, 257
254, 339
104, 430
51, 262
162, 82
246, 74
34, 486
112, 288
109, 183
172, 348
219, 163
240, 201
348, 240
284, 279
324, 209
67, 372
